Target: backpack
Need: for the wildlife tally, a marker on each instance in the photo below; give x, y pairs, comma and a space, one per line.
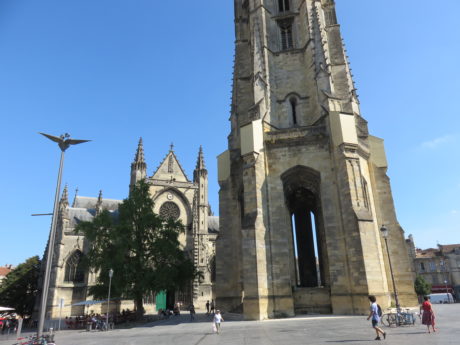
379, 310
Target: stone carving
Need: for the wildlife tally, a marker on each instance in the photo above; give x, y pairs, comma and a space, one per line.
169, 210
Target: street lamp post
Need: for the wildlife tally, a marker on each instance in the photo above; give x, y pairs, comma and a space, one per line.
384, 232
64, 142
444, 263
447, 291
108, 299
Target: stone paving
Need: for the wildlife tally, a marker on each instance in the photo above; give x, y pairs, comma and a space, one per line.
293, 331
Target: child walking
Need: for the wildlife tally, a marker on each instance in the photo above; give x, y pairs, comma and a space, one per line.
217, 320
374, 314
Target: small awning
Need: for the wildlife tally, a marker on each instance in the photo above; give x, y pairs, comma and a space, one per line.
89, 303
441, 288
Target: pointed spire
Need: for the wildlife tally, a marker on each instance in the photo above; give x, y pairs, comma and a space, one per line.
139, 157
200, 161
75, 198
64, 204
200, 169
138, 167
99, 203
65, 197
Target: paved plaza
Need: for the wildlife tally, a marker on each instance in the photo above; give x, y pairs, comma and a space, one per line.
294, 331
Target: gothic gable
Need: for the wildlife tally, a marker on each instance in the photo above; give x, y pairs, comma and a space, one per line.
170, 169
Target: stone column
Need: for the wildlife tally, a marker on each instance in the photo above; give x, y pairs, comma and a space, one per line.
254, 255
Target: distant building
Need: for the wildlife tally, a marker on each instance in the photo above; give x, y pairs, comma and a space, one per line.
438, 266
4, 270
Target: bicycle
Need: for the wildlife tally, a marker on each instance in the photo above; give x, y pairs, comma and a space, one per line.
399, 318
34, 340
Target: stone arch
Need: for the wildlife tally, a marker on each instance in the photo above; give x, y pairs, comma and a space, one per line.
294, 110
75, 280
176, 192
302, 193
74, 271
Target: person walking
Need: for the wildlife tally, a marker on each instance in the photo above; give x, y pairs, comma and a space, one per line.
217, 321
176, 309
212, 306
374, 315
6, 325
192, 312
207, 307
428, 314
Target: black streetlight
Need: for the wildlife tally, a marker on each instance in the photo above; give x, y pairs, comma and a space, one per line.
108, 299
447, 291
63, 142
446, 279
384, 232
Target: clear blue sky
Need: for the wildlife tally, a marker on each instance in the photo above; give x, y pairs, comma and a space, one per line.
112, 71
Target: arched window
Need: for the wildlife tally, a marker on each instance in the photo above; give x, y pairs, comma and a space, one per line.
293, 103
74, 272
283, 5
287, 41
169, 210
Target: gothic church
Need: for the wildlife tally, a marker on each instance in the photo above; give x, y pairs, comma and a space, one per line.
304, 189
174, 196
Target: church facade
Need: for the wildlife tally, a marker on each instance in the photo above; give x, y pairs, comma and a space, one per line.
303, 185
175, 196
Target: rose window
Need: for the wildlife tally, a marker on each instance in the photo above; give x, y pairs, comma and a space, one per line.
169, 210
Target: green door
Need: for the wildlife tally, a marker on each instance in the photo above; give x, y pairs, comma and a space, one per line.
160, 300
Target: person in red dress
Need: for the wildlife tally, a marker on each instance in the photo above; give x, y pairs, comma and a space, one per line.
428, 314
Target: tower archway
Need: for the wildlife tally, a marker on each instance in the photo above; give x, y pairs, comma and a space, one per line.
303, 200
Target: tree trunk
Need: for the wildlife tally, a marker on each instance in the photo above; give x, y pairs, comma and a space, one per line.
139, 302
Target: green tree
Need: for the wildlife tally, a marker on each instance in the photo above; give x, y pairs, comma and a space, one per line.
141, 247
19, 289
422, 287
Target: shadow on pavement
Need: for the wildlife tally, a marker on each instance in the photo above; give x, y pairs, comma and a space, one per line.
348, 341
185, 319
421, 332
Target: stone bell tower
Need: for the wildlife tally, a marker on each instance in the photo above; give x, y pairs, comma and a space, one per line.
303, 186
